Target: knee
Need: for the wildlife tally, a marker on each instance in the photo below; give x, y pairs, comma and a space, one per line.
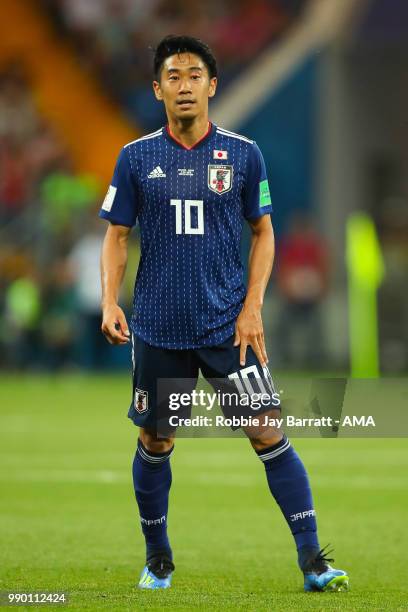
154, 444
261, 442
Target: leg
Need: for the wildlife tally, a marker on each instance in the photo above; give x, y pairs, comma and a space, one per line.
152, 482
151, 465
288, 483
287, 478
286, 475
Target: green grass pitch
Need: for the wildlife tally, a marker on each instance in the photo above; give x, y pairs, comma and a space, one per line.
68, 519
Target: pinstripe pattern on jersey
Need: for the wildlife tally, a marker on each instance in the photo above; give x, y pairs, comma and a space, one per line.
189, 287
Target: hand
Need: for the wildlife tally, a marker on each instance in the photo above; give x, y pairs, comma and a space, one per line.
114, 326
249, 331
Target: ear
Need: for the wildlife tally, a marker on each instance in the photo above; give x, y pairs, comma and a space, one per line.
157, 90
213, 87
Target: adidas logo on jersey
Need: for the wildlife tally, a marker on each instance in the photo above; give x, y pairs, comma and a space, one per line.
157, 173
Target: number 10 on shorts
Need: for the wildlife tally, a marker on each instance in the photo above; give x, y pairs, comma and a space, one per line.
188, 205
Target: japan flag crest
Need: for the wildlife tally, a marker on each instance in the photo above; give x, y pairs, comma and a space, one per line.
140, 400
220, 178
220, 154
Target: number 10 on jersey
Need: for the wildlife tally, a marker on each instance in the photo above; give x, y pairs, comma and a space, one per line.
188, 205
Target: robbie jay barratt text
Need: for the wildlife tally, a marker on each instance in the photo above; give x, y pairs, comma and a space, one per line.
267, 421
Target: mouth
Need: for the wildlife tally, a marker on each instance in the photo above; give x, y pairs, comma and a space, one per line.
185, 103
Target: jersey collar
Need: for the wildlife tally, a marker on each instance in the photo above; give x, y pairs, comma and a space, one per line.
211, 130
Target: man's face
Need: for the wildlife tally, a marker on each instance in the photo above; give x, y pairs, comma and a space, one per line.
185, 86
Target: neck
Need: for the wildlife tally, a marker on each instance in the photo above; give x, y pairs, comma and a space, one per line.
190, 131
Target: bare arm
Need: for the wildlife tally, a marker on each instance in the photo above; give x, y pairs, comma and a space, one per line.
113, 266
249, 328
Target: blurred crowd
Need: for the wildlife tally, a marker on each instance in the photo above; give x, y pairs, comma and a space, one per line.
303, 274
115, 39
390, 212
49, 241
50, 235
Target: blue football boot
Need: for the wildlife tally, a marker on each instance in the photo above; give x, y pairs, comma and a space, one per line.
157, 573
320, 576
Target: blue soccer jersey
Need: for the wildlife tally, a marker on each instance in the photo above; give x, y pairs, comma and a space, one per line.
190, 205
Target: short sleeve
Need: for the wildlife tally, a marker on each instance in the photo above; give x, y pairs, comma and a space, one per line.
256, 196
120, 205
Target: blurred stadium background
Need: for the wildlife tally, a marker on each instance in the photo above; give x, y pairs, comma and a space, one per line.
322, 86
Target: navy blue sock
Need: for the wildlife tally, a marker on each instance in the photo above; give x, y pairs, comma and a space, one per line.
289, 484
152, 481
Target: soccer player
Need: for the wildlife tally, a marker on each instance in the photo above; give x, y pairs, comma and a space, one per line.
190, 185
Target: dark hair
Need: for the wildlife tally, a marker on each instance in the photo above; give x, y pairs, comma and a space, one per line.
172, 45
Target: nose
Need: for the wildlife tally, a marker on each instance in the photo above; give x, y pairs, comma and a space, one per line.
185, 86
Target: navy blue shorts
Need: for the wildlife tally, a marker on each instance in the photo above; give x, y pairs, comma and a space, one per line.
159, 373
